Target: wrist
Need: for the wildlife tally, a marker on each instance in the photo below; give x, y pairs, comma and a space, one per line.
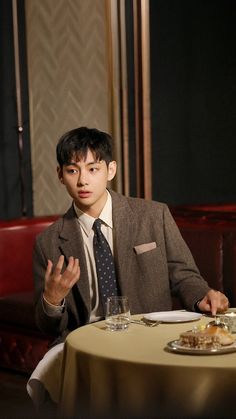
51, 302
196, 306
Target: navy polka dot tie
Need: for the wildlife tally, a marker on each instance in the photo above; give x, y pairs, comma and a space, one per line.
104, 264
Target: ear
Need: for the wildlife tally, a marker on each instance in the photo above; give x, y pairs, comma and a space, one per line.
111, 170
60, 174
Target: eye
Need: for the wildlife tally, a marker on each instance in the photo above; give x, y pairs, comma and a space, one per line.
94, 169
71, 171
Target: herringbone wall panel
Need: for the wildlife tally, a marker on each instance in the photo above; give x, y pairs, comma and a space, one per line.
68, 84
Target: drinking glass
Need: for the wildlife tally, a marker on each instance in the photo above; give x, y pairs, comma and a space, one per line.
117, 313
228, 320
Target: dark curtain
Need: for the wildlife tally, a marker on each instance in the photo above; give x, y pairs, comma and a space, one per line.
193, 99
131, 99
15, 162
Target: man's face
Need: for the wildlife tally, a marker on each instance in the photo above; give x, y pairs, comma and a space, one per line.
86, 182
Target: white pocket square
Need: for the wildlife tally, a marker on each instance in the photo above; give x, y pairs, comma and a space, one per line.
142, 248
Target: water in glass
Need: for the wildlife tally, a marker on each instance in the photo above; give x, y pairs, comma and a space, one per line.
117, 313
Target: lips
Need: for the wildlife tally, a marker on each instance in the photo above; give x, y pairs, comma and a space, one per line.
84, 194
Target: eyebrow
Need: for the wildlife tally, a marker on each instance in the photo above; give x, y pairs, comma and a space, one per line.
72, 163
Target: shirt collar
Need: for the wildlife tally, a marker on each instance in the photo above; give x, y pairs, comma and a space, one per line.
86, 221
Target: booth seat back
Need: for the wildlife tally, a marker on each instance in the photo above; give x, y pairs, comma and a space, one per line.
229, 268
16, 244
212, 243
210, 232
206, 246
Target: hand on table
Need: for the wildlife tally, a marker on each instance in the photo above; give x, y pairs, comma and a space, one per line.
58, 284
214, 301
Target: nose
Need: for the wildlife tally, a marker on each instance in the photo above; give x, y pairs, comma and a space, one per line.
82, 180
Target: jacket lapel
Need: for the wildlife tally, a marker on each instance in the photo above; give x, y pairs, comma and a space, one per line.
72, 245
124, 239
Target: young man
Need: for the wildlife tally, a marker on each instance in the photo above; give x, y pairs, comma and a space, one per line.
152, 262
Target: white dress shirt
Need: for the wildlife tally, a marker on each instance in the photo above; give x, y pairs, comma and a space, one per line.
86, 223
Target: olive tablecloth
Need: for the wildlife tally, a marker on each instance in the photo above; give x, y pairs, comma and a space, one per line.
130, 374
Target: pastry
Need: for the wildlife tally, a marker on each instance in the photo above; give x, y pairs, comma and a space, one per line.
199, 340
212, 336
225, 338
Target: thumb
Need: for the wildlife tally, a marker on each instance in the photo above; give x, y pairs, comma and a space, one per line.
48, 270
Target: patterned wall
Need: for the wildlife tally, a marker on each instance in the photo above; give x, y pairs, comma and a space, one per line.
68, 84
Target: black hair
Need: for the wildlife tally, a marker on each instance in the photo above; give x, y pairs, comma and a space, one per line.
79, 141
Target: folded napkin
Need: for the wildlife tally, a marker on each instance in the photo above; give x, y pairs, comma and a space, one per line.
45, 381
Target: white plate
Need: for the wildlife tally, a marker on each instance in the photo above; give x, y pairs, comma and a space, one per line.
174, 316
174, 346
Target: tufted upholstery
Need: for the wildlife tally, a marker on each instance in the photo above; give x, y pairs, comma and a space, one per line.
21, 343
16, 243
21, 349
209, 232
229, 268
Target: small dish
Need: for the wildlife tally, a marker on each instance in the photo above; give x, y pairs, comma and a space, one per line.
173, 316
174, 346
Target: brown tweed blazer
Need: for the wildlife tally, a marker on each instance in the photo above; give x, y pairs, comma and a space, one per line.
152, 262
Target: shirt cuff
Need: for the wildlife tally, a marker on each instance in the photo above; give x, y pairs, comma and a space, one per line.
196, 306
52, 309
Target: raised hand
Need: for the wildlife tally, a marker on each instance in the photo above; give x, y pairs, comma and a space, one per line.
57, 284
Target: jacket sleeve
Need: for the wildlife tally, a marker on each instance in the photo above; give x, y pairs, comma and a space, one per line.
186, 281
55, 324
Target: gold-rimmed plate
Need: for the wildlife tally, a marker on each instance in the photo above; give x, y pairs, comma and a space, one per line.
176, 347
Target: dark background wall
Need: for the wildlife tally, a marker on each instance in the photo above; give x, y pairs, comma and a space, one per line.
15, 161
193, 88
193, 103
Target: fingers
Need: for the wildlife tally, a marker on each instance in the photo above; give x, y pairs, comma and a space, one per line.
214, 301
224, 303
59, 266
213, 308
218, 302
48, 270
59, 283
72, 272
70, 275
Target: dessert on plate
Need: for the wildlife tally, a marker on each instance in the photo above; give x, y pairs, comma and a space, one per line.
212, 335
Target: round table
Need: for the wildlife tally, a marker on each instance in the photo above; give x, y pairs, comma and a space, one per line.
131, 374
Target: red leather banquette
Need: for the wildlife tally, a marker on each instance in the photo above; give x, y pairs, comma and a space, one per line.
210, 232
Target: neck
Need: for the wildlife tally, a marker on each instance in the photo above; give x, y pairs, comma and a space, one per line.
96, 209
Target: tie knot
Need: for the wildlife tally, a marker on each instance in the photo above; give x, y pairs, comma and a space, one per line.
97, 225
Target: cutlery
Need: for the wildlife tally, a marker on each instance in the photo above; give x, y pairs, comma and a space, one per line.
146, 322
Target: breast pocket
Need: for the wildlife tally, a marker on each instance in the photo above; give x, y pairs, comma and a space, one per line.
150, 261
145, 247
